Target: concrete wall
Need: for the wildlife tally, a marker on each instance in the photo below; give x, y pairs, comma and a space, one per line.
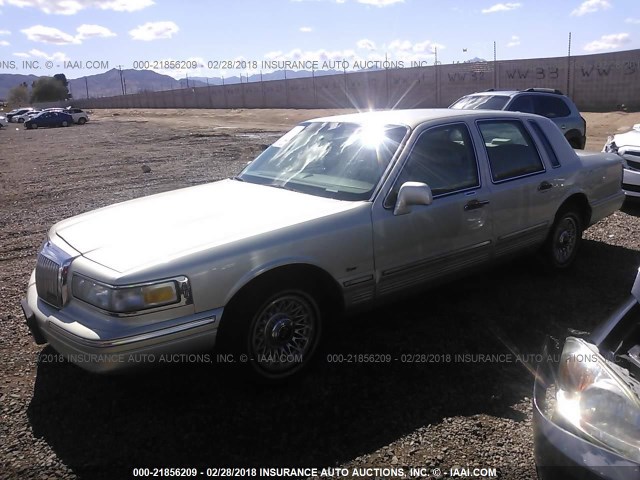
602, 82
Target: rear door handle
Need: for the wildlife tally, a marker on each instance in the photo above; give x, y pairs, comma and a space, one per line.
474, 204
544, 186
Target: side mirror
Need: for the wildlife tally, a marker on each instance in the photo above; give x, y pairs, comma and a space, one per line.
412, 193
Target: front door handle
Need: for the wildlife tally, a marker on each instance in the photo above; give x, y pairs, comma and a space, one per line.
544, 186
474, 204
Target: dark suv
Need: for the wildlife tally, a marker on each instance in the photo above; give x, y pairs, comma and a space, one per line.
541, 101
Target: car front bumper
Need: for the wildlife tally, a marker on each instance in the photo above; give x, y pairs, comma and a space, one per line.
561, 454
631, 182
97, 352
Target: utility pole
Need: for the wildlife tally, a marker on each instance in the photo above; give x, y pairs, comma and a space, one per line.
121, 79
495, 67
569, 66
86, 84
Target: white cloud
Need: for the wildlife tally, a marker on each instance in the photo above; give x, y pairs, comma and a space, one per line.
40, 33
502, 7
154, 31
635, 21
366, 44
306, 29
515, 41
608, 42
378, 3
591, 6
124, 5
93, 31
71, 7
56, 57
4, 43
5, 32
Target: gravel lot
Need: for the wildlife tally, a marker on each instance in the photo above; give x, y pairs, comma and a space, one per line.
57, 421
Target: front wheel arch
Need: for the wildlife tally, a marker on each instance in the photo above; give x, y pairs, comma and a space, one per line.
307, 288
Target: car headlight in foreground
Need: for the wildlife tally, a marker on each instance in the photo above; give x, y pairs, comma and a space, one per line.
596, 401
130, 299
586, 401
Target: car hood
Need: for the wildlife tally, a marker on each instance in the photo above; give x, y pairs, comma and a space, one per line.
156, 229
628, 139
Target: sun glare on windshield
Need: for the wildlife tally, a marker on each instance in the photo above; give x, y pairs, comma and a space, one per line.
371, 135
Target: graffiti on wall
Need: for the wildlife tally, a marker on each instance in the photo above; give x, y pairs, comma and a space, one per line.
604, 69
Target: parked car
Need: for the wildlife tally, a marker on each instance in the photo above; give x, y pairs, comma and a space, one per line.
79, 116
17, 112
49, 119
26, 116
547, 102
627, 145
339, 213
586, 413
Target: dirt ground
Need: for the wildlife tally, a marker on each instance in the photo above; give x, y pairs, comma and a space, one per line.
56, 421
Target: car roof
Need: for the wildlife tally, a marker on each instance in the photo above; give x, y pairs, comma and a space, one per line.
415, 117
510, 93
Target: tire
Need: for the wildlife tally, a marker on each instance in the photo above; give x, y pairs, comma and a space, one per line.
82, 121
564, 239
21, 120
34, 125
276, 329
65, 124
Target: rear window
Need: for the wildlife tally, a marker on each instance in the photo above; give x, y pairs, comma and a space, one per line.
551, 107
481, 102
551, 154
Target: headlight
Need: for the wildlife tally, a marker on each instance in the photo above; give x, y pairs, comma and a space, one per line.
596, 401
129, 299
610, 146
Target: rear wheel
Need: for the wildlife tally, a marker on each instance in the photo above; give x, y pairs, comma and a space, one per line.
65, 124
564, 239
82, 121
21, 120
34, 125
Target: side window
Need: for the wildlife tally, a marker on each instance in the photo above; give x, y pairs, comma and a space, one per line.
511, 151
523, 103
443, 158
551, 154
551, 107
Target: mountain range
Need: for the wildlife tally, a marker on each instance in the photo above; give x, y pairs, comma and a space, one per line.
116, 82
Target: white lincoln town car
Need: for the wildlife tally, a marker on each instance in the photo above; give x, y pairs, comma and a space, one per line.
339, 213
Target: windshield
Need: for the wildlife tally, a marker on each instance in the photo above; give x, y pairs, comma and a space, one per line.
481, 102
328, 159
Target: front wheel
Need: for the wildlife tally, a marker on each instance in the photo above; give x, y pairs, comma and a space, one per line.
273, 332
564, 239
82, 121
21, 120
34, 125
65, 124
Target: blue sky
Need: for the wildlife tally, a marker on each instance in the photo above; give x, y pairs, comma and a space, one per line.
122, 32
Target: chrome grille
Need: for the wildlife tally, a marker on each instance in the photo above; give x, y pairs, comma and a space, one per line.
51, 274
48, 281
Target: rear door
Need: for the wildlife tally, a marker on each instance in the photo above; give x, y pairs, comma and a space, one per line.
522, 197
